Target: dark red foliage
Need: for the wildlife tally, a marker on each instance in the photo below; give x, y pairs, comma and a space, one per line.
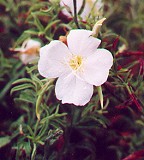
138, 155
130, 53
135, 101
64, 18
60, 143
141, 47
115, 43
21, 19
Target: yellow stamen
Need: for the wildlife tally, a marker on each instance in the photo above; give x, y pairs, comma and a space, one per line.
76, 62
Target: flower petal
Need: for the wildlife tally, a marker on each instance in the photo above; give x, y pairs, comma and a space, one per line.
32, 43
91, 7
96, 67
70, 89
80, 42
52, 59
95, 77
26, 58
69, 7
102, 58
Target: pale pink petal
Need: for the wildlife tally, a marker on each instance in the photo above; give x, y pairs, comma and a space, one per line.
89, 5
32, 43
80, 42
95, 77
53, 57
26, 58
102, 58
70, 89
69, 7
96, 67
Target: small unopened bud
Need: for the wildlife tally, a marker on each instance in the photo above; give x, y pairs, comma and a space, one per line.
97, 27
63, 39
122, 48
21, 130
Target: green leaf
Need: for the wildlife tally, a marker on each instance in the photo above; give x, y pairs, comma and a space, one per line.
21, 87
31, 69
38, 102
53, 117
37, 80
22, 38
4, 141
31, 32
15, 76
87, 110
27, 147
38, 6
37, 23
22, 80
30, 131
44, 128
45, 88
50, 25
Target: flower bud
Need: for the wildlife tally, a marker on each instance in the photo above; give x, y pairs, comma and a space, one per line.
97, 27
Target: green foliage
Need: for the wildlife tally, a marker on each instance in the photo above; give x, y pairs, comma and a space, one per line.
127, 21
4, 141
34, 94
9, 66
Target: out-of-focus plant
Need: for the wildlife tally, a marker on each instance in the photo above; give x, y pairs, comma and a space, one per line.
35, 99
126, 19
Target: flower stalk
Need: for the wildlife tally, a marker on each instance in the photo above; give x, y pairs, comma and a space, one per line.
75, 14
40, 97
100, 94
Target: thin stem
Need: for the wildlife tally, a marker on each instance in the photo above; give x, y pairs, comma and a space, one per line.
36, 127
33, 152
131, 94
75, 14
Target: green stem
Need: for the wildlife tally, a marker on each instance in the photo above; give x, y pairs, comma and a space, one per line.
128, 89
131, 94
34, 144
75, 14
36, 127
40, 97
33, 152
100, 94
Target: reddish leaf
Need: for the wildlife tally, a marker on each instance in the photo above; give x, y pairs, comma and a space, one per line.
135, 156
130, 53
115, 43
60, 143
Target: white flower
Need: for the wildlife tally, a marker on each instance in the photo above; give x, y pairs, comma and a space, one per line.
78, 66
90, 5
28, 51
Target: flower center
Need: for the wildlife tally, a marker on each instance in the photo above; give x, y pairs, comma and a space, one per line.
75, 62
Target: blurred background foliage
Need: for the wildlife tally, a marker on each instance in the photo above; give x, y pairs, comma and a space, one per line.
33, 123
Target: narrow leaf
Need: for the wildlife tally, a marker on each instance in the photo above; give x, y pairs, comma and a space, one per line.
22, 80
21, 87
4, 141
50, 25
38, 23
